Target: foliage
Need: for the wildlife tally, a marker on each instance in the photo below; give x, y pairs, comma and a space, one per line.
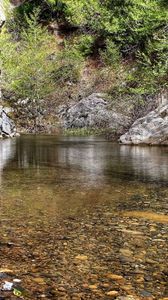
155, 56
120, 30
111, 55
69, 65
85, 44
151, 70
125, 27
128, 21
26, 64
48, 9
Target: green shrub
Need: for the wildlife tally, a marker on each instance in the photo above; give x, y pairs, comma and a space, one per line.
46, 9
128, 30
26, 65
69, 65
84, 44
111, 55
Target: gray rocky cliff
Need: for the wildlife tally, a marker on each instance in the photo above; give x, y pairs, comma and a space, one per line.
92, 112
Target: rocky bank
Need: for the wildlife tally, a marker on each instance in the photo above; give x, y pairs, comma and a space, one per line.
7, 125
92, 112
95, 111
151, 129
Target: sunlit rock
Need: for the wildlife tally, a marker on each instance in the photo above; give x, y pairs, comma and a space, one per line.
7, 126
11, 4
151, 129
2, 13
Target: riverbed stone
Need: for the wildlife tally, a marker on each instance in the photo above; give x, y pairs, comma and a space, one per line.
151, 129
126, 298
112, 294
91, 112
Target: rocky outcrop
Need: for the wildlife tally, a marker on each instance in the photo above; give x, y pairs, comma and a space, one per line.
92, 112
12, 4
2, 14
151, 129
7, 126
35, 116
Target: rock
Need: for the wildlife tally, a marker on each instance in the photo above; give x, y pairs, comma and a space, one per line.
13, 3
145, 294
93, 286
125, 259
112, 294
126, 298
39, 280
6, 271
126, 252
2, 14
132, 232
16, 280
61, 289
7, 286
35, 116
151, 129
91, 112
114, 276
81, 257
7, 126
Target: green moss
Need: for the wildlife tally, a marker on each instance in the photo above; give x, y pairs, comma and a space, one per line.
84, 132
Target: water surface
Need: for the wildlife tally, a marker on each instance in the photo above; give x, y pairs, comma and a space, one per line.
87, 207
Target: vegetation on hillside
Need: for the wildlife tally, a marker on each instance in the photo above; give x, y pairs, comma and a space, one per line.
127, 39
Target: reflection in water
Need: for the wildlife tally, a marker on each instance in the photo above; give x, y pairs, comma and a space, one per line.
88, 160
7, 151
147, 162
76, 211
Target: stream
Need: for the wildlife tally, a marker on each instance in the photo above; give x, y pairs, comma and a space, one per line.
83, 218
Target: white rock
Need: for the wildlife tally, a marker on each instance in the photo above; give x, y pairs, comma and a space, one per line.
151, 129
16, 280
7, 286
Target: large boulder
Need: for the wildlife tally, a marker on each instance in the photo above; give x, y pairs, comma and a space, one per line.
151, 129
91, 112
7, 126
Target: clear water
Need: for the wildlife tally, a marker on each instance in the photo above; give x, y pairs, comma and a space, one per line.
49, 182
